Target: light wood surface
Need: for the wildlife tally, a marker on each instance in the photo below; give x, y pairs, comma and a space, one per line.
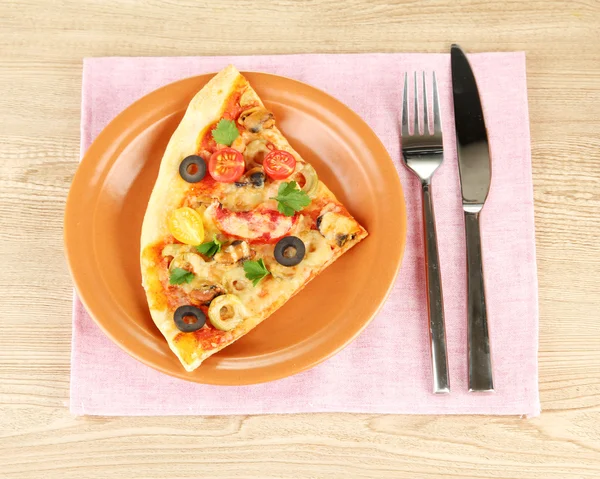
42, 44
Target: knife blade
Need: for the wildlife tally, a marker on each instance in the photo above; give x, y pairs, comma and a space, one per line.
475, 178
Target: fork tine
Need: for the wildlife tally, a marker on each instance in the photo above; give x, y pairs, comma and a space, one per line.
425, 109
437, 118
416, 129
405, 132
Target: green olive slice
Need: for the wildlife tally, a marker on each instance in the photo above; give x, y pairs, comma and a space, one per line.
311, 180
226, 312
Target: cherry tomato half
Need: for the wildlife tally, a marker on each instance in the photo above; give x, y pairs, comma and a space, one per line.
279, 164
185, 224
226, 165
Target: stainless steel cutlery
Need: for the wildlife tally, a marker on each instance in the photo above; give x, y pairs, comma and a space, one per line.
423, 154
475, 177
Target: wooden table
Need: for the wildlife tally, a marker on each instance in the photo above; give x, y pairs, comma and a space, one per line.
41, 47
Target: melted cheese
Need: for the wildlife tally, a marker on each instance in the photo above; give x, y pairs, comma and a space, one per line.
318, 251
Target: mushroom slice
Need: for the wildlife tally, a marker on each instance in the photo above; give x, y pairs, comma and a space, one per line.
337, 228
205, 291
236, 251
189, 261
254, 177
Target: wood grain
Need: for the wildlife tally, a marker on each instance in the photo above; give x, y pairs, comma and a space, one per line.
41, 47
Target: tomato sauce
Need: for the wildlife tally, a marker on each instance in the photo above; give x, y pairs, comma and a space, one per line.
208, 335
233, 108
208, 143
203, 188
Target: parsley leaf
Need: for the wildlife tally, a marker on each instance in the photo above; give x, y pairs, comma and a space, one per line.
256, 270
225, 132
211, 248
290, 199
180, 276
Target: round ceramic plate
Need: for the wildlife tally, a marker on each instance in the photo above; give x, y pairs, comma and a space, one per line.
108, 199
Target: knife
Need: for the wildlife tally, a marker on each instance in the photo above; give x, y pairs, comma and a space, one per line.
475, 176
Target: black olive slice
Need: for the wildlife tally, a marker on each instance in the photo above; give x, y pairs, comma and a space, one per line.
289, 251
192, 169
184, 312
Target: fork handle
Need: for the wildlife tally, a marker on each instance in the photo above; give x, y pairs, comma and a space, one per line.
478, 340
435, 303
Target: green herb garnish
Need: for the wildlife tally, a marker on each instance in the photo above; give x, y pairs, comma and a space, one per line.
180, 276
211, 248
256, 270
225, 132
290, 199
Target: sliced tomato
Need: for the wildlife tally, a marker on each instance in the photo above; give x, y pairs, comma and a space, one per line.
226, 165
279, 164
185, 224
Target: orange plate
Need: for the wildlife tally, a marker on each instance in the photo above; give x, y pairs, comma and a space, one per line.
108, 199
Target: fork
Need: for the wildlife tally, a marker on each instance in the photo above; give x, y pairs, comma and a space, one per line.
423, 154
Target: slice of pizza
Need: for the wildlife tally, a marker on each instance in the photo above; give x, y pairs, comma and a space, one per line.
236, 225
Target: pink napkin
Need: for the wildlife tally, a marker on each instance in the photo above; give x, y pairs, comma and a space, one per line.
387, 369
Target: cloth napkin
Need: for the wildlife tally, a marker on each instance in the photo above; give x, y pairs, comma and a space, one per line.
387, 369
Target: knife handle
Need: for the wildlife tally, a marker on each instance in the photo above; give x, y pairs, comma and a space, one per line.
435, 303
480, 361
